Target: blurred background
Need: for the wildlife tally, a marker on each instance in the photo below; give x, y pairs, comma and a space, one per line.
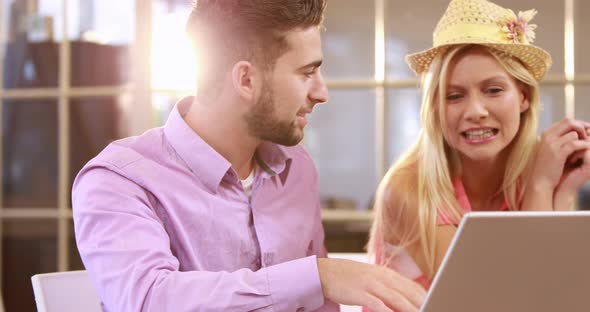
78, 74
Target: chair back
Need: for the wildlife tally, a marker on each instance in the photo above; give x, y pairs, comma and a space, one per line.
65, 292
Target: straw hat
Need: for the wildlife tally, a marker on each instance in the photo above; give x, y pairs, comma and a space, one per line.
485, 23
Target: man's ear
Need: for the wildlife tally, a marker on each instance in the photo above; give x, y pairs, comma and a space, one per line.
244, 77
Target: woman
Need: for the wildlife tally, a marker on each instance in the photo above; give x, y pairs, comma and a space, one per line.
478, 148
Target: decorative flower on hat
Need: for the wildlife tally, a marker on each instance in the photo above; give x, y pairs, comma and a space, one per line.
518, 29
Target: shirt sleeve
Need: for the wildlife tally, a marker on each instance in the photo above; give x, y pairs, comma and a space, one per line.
318, 247
126, 251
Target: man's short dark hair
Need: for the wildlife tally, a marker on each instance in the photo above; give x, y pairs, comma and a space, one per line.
228, 31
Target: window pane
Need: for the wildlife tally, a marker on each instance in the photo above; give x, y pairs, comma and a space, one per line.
101, 41
582, 25
583, 112
552, 106
173, 60
162, 106
551, 21
403, 121
582, 107
31, 57
410, 24
28, 248
30, 163
74, 255
349, 40
341, 140
95, 122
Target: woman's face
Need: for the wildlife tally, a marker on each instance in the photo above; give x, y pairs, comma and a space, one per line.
483, 105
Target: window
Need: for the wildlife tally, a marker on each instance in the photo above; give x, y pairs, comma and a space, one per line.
75, 78
65, 93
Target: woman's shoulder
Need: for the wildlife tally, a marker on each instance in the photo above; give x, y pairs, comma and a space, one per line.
401, 191
403, 180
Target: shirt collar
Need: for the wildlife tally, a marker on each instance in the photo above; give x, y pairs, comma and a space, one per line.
273, 158
206, 163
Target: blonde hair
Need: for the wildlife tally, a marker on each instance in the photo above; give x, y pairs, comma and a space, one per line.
419, 185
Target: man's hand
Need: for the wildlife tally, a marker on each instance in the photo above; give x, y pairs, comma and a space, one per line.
378, 288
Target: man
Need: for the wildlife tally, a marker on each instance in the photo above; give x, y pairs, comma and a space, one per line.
219, 209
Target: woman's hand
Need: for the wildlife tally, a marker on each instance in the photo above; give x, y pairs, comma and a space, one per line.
564, 142
576, 172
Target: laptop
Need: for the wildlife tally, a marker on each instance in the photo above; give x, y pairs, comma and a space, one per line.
515, 261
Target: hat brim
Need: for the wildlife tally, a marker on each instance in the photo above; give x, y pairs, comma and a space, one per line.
537, 60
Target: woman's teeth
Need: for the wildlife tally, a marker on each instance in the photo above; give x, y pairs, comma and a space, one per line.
479, 134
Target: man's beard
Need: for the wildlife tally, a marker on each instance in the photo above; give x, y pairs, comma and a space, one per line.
265, 125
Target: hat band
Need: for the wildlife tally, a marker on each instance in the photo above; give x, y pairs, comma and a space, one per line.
477, 32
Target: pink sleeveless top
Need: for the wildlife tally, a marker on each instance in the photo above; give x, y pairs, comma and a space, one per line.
403, 262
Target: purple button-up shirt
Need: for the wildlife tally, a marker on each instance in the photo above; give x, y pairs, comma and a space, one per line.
163, 224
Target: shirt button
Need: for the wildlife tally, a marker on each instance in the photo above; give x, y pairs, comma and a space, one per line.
302, 309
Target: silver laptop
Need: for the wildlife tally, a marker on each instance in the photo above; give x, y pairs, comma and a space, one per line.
515, 261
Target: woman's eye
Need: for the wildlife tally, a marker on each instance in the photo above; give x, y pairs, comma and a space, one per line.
453, 97
494, 90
